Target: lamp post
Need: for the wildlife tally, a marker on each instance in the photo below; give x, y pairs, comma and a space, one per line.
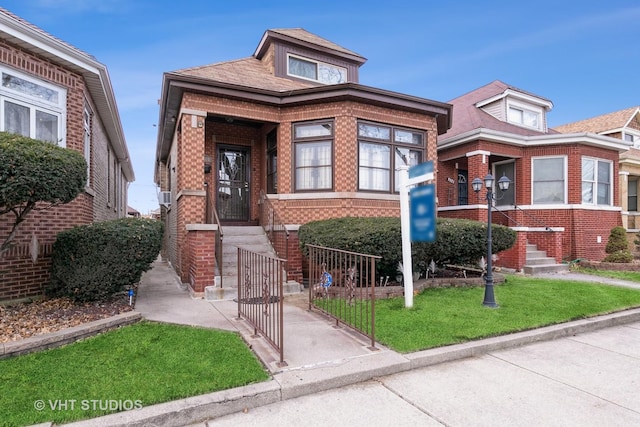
476, 184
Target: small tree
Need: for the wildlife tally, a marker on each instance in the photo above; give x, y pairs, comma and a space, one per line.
618, 246
36, 175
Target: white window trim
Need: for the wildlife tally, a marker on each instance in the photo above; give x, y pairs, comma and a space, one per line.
526, 107
595, 187
565, 179
58, 109
318, 63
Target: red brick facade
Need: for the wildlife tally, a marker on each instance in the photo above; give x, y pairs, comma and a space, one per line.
24, 269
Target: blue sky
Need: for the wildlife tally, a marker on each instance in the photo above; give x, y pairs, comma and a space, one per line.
583, 56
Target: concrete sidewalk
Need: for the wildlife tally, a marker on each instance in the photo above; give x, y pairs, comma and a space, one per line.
319, 356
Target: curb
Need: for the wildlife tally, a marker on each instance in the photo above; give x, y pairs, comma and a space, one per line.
290, 384
67, 335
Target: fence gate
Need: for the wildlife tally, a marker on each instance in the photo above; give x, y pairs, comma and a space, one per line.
260, 296
342, 286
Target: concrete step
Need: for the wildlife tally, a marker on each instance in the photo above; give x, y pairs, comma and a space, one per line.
545, 260
545, 268
535, 254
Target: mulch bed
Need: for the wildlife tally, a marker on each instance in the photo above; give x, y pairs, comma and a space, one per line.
25, 320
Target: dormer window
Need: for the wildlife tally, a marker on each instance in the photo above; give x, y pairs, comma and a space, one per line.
309, 69
523, 116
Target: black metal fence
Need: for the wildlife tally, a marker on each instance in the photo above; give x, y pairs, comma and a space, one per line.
260, 296
342, 286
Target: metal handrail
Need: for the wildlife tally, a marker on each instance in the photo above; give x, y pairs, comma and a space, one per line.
272, 224
211, 217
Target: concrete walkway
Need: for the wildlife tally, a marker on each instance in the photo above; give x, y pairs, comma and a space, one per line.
332, 377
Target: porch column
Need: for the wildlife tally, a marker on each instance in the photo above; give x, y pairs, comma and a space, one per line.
477, 167
190, 192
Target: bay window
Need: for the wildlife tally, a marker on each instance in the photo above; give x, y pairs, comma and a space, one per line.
596, 181
313, 155
549, 180
381, 150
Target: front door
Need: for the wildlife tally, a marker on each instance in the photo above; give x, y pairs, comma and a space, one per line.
233, 184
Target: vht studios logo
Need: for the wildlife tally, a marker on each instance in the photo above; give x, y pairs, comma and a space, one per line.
87, 405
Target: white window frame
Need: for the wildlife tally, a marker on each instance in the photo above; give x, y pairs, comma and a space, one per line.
34, 103
86, 122
524, 109
320, 76
501, 200
595, 182
565, 179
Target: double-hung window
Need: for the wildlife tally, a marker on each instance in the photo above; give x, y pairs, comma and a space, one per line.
523, 116
549, 179
310, 69
596, 181
313, 142
381, 150
632, 196
31, 107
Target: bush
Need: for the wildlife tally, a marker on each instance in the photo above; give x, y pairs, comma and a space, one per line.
93, 262
460, 242
618, 246
623, 256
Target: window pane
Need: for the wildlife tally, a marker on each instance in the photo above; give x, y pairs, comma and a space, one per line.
299, 67
372, 131
16, 118
531, 118
313, 165
313, 130
588, 170
587, 192
548, 180
603, 194
408, 137
46, 127
375, 165
507, 197
29, 88
603, 172
407, 157
515, 115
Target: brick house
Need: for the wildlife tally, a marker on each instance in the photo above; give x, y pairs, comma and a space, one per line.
45, 80
624, 125
562, 196
289, 129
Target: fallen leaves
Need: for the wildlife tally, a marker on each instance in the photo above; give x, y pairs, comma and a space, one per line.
44, 316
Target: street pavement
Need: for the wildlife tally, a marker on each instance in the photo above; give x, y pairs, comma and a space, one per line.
583, 373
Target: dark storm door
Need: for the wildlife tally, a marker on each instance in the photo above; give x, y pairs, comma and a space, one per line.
233, 184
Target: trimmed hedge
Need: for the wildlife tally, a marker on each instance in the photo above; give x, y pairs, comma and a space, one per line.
459, 242
92, 262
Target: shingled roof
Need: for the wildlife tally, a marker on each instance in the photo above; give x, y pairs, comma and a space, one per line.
599, 124
249, 72
467, 116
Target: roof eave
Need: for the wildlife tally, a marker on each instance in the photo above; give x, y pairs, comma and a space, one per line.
490, 135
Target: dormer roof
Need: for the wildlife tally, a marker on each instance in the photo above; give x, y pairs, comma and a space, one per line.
470, 111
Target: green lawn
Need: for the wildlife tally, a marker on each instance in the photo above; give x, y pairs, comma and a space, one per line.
137, 365
453, 315
149, 362
633, 276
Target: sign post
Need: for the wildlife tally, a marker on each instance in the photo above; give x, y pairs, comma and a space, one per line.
423, 222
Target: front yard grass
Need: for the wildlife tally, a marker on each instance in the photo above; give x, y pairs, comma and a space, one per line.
138, 365
149, 363
633, 276
454, 315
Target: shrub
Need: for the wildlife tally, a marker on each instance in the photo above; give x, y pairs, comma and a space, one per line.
92, 262
36, 175
460, 242
622, 256
618, 246
617, 240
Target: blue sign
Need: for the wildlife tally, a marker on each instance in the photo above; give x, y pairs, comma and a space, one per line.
423, 213
421, 169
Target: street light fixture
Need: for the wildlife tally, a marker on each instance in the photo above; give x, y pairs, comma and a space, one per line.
503, 185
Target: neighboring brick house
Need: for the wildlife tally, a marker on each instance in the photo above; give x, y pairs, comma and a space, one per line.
562, 196
625, 125
289, 127
50, 90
